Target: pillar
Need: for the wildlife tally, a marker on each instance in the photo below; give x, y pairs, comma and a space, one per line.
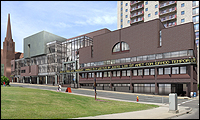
30, 79
55, 79
23, 79
191, 78
46, 79
12, 79
17, 79
156, 84
37, 80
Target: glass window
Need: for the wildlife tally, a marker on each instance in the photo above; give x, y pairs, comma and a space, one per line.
92, 64
128, 73
108, 74
182, 20
195, 11
183, 4
108, 62
118, 73
152, 57
89, 75
114, 73
196, 26
174, 54
146, 71
123, 72
167, 70
146, 9
97, 74
145, 57
182, 12
100, 74
125, 46
146, 2
156, 6
92, 75
112, 61
166, 55
126, 10
126, 4
160, 71
83, 75
123, 60
149, 15
183, 53
190, 52
126, 16
159, 56
128, 21
160, 38
105, 74
152, 71
134, 72
116, 48
175, 70
139, 58
133, 59
128, 59
197, 34
121, 20
140, 72
195, 18
117, 61
183, 70
156, 12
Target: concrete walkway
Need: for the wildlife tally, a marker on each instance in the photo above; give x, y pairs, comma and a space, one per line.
161, 112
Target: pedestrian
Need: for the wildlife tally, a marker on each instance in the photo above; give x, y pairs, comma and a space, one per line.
4, 84
60, 88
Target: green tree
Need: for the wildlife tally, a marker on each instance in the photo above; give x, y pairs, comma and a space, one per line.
4, 79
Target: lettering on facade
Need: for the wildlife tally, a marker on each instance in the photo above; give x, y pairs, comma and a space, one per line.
186, 60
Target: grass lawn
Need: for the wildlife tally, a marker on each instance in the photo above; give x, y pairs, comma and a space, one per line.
28, 103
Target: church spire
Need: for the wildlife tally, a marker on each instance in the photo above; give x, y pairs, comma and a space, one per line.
9, 34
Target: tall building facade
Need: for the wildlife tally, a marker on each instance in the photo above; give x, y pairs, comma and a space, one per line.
8, 52
171, 13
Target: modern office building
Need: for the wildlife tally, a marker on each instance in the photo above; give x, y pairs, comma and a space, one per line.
43, 62
143, 58
8, 52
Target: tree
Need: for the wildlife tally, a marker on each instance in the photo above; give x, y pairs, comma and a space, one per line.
5, 79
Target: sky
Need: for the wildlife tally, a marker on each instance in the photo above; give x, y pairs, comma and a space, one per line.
63, 18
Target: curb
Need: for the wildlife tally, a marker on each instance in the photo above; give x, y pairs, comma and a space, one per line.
180, 114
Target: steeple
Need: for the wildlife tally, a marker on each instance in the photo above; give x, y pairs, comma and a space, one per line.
9, 34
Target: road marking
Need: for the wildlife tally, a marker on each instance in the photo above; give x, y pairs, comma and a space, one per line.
185, 102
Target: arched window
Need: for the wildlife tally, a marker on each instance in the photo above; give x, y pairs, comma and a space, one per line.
120, 47
116, 48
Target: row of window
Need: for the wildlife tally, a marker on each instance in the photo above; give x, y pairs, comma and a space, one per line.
137, 72
140, 58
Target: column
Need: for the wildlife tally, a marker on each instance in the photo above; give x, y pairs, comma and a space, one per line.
46, 79
17, 79
12, 79
37, 79
191, 78
156, 84
55, 79
23, 79
30, 79
131, 85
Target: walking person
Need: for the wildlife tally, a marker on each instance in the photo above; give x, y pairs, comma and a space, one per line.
60, 88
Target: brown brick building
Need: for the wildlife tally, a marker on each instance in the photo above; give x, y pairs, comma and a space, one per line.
146, 58
8, 52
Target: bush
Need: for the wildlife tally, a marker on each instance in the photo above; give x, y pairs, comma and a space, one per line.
5, 79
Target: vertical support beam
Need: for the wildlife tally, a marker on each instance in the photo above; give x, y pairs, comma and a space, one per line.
17, 79
46, 79
156, 84
191, 78
131, 85
37, 79
23, 79
55, 79
30, 79
12, 79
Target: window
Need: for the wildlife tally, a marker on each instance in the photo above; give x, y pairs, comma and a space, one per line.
128, 73
121, 20
140, 72
121, 26
196, 26
149, 15
123, 72
118, 73
182, 12
128, 21
183, 4
134, 72
126, 4
167, 71
124, 47
146, 9
195, 18
105, 74
160, 71
156, 13
83, 75
139, 58
126, 10
121, 14
182, 20
152, 71
195, 11
197, 34
121, 3
156, 6
121, 9
146, 71
175, 70
160, 38
183, 70
126, 16
114, 73
146, 2
166, 55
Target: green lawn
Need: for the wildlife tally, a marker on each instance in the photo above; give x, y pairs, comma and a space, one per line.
27, 103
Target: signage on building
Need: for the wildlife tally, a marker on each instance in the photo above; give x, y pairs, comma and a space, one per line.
155, 63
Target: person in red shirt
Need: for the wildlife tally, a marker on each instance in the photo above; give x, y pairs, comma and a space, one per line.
4, 84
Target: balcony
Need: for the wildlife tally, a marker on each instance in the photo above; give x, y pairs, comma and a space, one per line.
162, 5
136, 14
170, 17
170, 10
169, 24
134, 2
137, 20
137, 7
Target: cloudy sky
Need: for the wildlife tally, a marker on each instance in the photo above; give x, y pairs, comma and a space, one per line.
63, 18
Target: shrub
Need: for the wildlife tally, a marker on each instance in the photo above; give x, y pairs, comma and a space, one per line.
5, 79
